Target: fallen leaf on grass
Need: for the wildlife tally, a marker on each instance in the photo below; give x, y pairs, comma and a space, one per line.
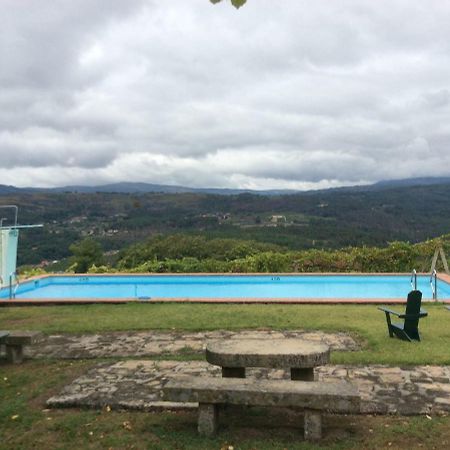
127, 425
15, 417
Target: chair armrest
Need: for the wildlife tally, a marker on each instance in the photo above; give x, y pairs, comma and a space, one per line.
390, 311
422, 313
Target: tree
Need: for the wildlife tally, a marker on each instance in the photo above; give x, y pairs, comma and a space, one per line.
236, 3
86, 253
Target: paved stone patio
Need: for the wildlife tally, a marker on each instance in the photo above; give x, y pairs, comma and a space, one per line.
136, 384
141, 344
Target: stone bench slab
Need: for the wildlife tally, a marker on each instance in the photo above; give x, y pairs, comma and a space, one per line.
23, 337
340, 397
313, 397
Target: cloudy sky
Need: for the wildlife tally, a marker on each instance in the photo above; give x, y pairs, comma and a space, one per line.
278, 94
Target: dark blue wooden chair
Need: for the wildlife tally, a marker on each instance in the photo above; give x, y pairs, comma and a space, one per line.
409, 329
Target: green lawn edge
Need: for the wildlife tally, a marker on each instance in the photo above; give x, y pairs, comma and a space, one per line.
364, 322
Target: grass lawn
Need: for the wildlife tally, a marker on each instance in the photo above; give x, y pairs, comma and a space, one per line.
26, 424
364, 322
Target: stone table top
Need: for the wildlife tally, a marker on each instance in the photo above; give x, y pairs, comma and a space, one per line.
270, 353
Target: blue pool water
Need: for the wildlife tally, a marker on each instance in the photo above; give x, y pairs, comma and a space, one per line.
226, 286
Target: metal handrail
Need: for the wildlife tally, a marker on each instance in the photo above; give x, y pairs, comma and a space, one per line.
17, 285
434, 286
12, 293
414, 277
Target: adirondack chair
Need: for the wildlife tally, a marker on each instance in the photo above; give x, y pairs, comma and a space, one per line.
409, 329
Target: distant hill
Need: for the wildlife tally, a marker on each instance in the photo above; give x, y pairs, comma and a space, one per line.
5, 190
134, 188
143, 188
425, 181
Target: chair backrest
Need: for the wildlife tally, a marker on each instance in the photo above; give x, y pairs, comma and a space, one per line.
413, 307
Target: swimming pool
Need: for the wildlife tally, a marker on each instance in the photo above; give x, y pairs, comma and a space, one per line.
233, 287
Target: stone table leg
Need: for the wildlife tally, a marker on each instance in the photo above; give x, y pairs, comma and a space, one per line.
14, 353
233, 372
304, 374
207, 419
313, 425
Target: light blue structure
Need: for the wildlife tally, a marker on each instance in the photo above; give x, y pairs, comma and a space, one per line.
9, 239
8, 251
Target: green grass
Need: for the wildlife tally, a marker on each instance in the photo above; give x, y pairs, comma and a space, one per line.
364, 322
25, 423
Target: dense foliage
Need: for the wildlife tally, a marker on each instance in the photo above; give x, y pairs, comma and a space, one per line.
86, 254
194, 254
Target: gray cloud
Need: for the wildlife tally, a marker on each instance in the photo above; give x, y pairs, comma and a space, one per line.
296, 94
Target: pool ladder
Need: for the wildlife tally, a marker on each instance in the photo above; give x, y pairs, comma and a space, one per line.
433, 283
12, 292
414, 280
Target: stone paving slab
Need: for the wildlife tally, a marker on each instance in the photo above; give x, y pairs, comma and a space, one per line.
137, 384
141, 344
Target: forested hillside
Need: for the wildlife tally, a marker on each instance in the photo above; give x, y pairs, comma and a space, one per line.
329, 219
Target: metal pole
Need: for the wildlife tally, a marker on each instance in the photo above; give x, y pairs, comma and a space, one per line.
435, 286
414, 278
16, 212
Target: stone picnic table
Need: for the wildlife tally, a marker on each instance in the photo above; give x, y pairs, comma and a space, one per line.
235, 355
300, 355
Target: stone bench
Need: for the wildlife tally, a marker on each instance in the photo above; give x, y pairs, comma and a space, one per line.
15, 341
313, 397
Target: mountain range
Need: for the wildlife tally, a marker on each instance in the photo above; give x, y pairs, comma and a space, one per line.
142, 188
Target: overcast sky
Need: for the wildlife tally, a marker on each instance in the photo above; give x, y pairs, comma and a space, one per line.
278, 94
